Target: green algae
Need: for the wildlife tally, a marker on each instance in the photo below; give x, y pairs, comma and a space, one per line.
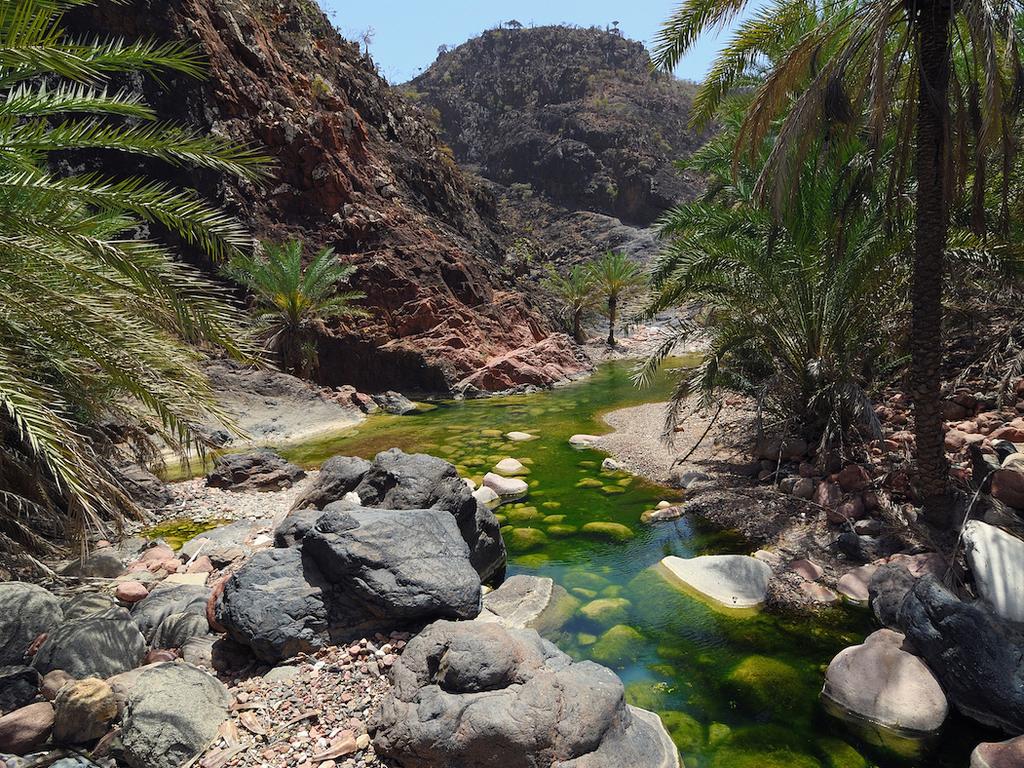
176, 532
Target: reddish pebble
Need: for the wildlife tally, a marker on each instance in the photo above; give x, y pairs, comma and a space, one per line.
159, 654
131, 591
171, 565
157, 554
201, 564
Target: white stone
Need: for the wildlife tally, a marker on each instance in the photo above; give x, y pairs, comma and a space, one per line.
485, 495
505, 486
519, 437
198, 579
510, 466
583, 441
353, 498
881, 682
996, 559
470, 483
735, 581
1014, 461
664, 504
610, 465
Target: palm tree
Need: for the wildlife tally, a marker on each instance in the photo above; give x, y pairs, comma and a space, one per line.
881, 67
293, 301
616, 277
98, 326
576, 290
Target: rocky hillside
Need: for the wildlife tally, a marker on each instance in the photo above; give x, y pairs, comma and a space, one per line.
576, 114
358, 169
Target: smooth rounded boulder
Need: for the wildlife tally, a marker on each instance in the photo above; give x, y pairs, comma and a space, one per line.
26, 729
338, 475
999, 754
996, 560
100, 645
884, 684
477, 695
168, 599
83, 711
172, 713
505, 486
26, 612
733, 581
261, 470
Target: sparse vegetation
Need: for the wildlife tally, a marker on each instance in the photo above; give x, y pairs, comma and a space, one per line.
616, 277
577, 292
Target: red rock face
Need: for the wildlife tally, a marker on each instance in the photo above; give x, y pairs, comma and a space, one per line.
356, 168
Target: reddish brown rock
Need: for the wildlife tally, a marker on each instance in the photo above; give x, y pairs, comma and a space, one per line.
827, 495
201, 564
1008, 487
157, 554
25, 729
52, 682
999, 754
851, 509
131, 591
853, 478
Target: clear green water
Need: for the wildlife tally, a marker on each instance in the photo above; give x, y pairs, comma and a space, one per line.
734, 692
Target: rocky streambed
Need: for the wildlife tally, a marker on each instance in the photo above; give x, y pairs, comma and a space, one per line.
302, 622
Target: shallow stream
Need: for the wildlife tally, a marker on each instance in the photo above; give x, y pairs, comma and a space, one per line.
734, 691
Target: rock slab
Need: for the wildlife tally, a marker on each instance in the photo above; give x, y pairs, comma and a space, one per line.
996, 559
26, 611
735, 581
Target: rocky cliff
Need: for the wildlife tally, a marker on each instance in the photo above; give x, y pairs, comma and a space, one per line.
358, 169
576, 114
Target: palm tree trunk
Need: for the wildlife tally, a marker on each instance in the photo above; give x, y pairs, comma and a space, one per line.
931, 225
613, 305
577, 326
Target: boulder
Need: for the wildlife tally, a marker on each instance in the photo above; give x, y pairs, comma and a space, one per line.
131, 591
26, 729
735, 581
261, 470
357, 570
466, 692
973, 655
197, 703
18, 687
168, 599
485, 495
86, 604
505, 486
509, 467
398, 480
1008, 486
882, 683
100, 645
145, 488
532, 602
583, 441
888, 586
225, 543
338, 475
296, 525
26, 612
102, 564
996, 559
175, 630
84, 711
999, 754
395, 403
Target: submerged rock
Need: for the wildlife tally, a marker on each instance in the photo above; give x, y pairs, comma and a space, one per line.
882, 683
735, 581
529, 602
463, 691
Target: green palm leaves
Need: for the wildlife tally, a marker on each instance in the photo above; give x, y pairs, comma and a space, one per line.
97, 326
576, 290
293, 301
616, 277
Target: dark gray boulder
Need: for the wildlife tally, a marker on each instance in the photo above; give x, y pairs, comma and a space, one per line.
356, 571
978, 659
172, 714
98, 645
887, 589
87, 604
145, 488
18, 687
26, 611
179, 628
103, 564
395, 403
276, 604
295, 526
399, 480
338, 475
261, 470
479, 695
169, 599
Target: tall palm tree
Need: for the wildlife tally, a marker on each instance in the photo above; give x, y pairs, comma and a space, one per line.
576, 289
616, 277
97, 326
876, 66
293, 301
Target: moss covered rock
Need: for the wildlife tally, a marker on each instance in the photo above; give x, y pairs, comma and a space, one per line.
765, 685
607, 610
610, 531
562, 531
686, 731
766, 746
524, 539
617, 647
839, 754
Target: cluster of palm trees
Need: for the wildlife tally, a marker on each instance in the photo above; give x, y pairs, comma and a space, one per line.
866, 143
607, 281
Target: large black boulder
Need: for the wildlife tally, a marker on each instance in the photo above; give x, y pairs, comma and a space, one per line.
166, 600
261, 470
478, 695
399, 480
98, 645
338, 476
978, 659
357, 570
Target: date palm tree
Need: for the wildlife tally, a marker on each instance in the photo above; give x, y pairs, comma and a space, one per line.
616, 277
98, 326
576, 289
944, 78
294, 300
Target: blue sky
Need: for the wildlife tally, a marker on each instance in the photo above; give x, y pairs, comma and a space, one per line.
408, 32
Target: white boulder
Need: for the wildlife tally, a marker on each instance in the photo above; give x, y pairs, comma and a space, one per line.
735, 581
505, 486
583, 441
996, 559
879, 681
510, 466
519, 437
485, 495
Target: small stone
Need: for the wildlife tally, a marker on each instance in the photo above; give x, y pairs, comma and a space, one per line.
363, 740
131, 591
83, 711
52, 682
808, 569
519, 437
25, 729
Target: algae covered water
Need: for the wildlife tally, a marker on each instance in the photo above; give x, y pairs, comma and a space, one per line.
734, 691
